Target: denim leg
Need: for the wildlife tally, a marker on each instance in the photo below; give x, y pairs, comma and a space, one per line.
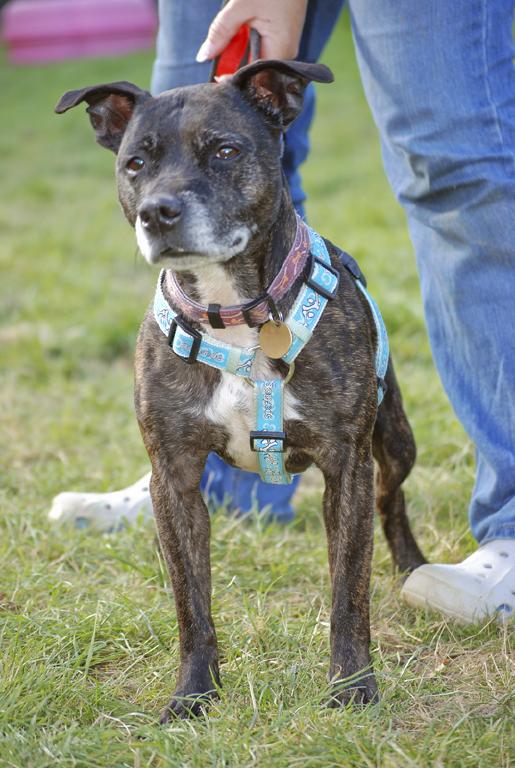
182, 27
241, 492
440, 81
321, 18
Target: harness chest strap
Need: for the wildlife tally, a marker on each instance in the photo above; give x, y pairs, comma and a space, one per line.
268, 439
320, 286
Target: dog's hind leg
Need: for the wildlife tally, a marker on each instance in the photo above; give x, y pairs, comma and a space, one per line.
395, 451
183, 526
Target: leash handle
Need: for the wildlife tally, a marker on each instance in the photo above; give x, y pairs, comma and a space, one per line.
244, 48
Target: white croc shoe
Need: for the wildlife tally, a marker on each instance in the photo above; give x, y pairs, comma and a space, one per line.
480, 587
103, 511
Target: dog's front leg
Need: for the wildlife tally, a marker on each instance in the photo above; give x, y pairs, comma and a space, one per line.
348, 515
184, 530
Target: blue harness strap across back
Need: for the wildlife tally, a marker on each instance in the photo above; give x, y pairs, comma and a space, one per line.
321, 285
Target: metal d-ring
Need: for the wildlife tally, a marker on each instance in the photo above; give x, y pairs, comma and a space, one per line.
276, 319
274, 313
291, 371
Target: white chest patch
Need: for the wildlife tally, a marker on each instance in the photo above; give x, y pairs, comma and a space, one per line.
232, 404
232, 407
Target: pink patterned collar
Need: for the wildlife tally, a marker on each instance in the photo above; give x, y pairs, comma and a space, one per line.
254, 312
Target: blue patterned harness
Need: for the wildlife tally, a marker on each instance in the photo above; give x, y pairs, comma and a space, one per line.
321, 285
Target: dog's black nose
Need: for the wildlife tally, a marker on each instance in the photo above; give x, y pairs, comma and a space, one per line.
160, 213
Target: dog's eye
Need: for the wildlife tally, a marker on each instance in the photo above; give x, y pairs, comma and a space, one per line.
227, 153
135, 165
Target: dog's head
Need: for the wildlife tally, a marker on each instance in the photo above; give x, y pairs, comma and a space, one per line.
199, 168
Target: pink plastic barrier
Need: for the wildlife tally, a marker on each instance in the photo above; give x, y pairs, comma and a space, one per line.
37, 31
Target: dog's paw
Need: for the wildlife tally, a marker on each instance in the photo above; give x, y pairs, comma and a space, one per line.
184, 705
358, 694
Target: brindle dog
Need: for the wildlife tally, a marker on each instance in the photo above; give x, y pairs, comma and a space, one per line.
199, 176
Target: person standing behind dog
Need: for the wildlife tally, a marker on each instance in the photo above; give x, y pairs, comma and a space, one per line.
440, 82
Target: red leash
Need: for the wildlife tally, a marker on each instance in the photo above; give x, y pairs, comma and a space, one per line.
243, 48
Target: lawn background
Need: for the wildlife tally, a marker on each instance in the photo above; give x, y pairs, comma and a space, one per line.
88, 634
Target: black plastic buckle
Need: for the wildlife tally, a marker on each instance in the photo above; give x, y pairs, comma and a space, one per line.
214, 316
245, 310
351, 265
315, 286
256, 435
197, 339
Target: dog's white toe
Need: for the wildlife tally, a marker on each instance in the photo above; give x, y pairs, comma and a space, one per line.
481, 586
103, 511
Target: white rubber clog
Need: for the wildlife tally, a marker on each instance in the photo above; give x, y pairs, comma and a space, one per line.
480, 587
103, 511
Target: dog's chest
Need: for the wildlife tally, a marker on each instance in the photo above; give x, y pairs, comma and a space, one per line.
232, 404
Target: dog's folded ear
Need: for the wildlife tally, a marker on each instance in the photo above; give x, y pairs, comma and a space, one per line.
277, 87
111, 106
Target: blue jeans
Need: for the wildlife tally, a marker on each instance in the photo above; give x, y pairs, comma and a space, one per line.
183, 26
440, 81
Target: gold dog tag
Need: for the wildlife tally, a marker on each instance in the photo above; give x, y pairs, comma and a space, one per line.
275, 339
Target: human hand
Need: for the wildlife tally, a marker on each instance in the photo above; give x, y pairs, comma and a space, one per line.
279, 23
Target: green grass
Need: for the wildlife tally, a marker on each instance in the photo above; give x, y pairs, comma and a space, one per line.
88, 633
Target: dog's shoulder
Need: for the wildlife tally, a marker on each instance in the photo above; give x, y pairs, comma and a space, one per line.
161, 375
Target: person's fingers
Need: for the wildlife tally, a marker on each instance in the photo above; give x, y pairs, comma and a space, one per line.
280, 26
224, 26
277, 45
279, 23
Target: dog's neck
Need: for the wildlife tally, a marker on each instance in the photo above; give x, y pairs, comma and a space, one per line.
247, 275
